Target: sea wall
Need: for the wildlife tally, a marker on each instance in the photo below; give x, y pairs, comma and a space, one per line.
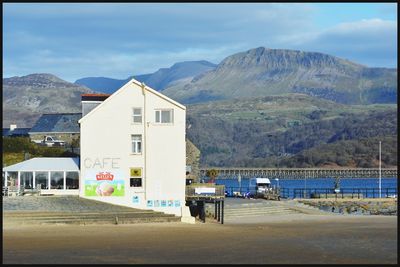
355, 206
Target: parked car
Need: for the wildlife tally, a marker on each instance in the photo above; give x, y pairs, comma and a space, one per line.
49, 141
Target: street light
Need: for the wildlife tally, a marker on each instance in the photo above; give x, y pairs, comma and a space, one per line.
380, 171
277, 181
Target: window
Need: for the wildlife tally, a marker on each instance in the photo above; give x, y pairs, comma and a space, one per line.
27, 179
135, 177
72, 180
42, 178
137, 115
136, 144
12, 178
165, 116
57, 180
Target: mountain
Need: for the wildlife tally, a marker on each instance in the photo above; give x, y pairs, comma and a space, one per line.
179, 73
281, 130
261, 72
26, 98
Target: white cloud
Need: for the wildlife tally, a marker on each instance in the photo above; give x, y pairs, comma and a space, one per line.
372, 42
79, 40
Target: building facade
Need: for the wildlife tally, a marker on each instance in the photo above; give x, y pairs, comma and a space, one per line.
133, 150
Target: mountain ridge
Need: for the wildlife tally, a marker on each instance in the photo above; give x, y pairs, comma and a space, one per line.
180, 72
262, 71
25, 98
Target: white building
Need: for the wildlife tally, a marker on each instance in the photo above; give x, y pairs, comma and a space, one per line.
133, 150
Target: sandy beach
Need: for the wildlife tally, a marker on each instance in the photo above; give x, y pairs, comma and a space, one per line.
290, 239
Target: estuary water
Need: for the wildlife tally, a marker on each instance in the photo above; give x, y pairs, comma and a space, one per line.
368, 185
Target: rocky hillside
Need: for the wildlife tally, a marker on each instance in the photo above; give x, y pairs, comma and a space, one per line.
26, 98
179, 73
262, 72
192, 160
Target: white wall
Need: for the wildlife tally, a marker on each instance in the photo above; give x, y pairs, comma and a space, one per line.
106, 138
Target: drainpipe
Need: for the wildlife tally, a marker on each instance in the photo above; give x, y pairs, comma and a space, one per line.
144, 140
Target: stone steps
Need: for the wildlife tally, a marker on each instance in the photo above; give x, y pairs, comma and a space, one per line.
250, 209
258, 212
93, 218
75, 210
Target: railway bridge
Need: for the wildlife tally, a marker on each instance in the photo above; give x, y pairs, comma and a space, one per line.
301, 173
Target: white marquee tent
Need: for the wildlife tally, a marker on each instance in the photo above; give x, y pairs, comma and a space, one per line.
55, 175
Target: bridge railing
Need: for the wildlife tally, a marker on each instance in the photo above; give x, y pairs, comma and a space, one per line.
301, 173
290, 193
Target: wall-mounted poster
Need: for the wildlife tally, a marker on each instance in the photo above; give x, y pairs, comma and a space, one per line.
104, 183
135, 199
136, 172
149, 203
163, 203
177, 203
156, 203
170, 203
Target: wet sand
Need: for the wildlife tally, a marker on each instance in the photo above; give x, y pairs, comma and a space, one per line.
287, 239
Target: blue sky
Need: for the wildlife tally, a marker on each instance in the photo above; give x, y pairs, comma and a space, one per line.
119, 40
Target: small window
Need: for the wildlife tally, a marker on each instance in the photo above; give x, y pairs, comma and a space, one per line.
165, 116
72, 180
136, 144
137, 115
42, 178
56, 180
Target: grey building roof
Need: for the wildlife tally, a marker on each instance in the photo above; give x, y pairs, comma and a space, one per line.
16, 132
57, 123
45, 164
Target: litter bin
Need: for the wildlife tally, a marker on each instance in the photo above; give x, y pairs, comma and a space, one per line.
201, 210
193, 208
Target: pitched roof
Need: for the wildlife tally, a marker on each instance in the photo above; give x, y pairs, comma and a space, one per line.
15, 132
139, 84
94, 97
57, 123
46, 164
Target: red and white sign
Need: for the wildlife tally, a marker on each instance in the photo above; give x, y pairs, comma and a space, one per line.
101, 176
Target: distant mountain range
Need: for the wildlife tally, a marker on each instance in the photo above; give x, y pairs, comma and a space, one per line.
262, 72
26, 98
179, 73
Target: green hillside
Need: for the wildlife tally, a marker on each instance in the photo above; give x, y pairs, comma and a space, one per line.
265, 132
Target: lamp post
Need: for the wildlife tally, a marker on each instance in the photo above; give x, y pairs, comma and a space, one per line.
380, 170
240, 183
277, 181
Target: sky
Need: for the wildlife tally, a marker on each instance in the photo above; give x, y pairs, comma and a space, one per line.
73, 41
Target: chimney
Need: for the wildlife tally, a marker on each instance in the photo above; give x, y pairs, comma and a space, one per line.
13, 127
90, 101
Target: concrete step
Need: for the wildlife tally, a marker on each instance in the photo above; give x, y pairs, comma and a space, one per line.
85, 221
255, 215
88, 218
259, 211
255, 211
77, 214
